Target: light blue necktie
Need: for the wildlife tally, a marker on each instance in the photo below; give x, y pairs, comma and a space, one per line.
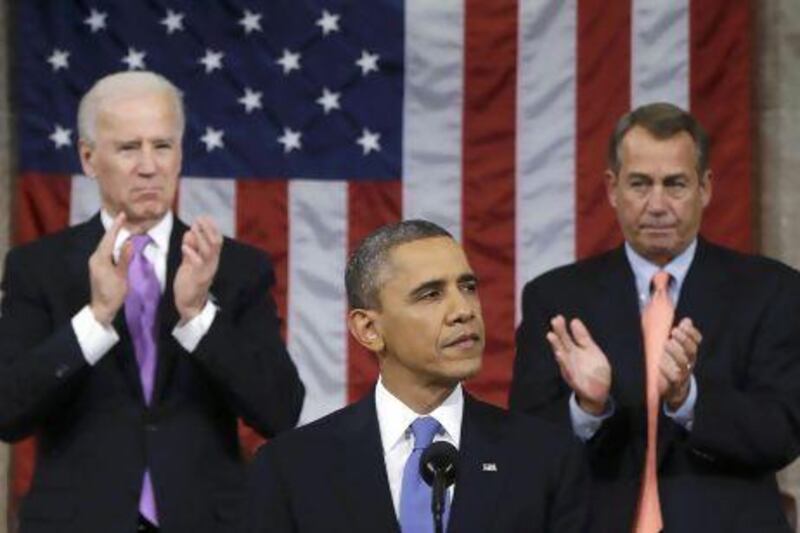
415, 495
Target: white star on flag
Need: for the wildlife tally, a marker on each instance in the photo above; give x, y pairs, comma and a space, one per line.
367, 62
250, 21
61, 136
212, 60
369, 141
290, 140
59, 59
173, 21
134, 59
289, 61
328, 22
329, 100
212, 139
251, 100
96, 20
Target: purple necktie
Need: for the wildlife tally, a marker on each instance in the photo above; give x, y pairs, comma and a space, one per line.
141, 306
415, 495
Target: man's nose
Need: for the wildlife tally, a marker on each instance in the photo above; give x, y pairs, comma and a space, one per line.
656, 200
462, 307
147, 163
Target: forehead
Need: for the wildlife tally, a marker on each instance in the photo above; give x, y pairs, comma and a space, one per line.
416, 262
146, 107
640, 148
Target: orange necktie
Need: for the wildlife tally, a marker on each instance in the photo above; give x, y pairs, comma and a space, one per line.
657, 319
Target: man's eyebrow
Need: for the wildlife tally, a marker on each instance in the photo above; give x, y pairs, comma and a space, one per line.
434, 284
468, 277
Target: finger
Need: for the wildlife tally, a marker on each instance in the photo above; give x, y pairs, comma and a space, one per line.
686, 342
191, 255
687, 326
555, 344
209, 228
559, 326
106, 245
674, 351
581, 334
203, 243
125, 256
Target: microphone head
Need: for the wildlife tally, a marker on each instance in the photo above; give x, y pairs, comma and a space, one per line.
441, 457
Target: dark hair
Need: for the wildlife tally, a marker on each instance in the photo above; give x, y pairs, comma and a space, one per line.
362, 275
663, 121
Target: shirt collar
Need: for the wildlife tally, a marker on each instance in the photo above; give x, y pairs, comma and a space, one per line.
159, 233
644, 270
394, 417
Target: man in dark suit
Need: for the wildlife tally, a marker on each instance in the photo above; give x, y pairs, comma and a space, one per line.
727, 375
414, 304
131, 343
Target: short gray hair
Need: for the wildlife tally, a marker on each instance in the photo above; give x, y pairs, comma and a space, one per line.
123, 84
362, 278
663, 121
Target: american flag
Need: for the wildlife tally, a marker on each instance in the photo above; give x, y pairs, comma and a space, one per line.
310, 123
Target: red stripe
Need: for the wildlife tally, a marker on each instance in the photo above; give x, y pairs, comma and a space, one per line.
262, 220
370, 205
41, 205
490, 80
603, 95
721, 98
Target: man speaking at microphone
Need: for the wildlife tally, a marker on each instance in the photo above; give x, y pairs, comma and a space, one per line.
414, 304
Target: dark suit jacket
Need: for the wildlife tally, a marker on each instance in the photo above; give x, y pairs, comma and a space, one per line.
720, 475
95, 433
330, 476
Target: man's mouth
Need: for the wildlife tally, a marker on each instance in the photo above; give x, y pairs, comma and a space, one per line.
465, 340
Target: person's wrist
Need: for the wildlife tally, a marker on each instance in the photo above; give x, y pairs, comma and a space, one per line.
102, 314
677, 399
593, 407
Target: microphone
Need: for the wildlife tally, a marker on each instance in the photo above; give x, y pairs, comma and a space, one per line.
438, 467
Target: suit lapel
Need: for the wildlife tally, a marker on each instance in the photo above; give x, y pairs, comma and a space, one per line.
363, 484
482, 467
168, 314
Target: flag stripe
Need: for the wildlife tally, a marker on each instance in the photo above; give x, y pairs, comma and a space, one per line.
317, 339
432, 108
660, 52
603, 95
209, 196
721, 92
489, 175
42, 205
84, 199
371, 205
545, 197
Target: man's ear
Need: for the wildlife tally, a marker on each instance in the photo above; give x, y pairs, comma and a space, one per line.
363, 325
611, 185
85, 151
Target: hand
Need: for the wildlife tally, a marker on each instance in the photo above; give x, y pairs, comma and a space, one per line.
583, 364
677, 362
109, 281
201, 248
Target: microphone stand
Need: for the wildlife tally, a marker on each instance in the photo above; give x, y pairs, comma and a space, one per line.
437, 502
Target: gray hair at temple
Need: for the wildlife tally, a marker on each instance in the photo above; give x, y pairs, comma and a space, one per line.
663, 121
122, 84
363, 275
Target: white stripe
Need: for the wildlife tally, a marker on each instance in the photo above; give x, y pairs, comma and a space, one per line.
317, 334
432, 106
84, 199
660, 52
205, 196
546, 116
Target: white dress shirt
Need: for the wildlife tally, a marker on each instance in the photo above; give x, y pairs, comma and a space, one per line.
96, 340
584, 424
394, 419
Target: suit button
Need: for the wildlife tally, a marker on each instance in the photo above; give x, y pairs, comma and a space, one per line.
61, 371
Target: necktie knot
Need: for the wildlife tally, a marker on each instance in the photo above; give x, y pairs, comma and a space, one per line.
424, 429
660, 281
139, 242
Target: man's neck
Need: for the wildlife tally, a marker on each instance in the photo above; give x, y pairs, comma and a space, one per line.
422, 399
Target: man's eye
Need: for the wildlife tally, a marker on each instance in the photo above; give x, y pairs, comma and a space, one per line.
429, 295
470, 286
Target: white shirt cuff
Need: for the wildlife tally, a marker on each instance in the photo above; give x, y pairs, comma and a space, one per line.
190, 334
584, 424
94, 338
684, 415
